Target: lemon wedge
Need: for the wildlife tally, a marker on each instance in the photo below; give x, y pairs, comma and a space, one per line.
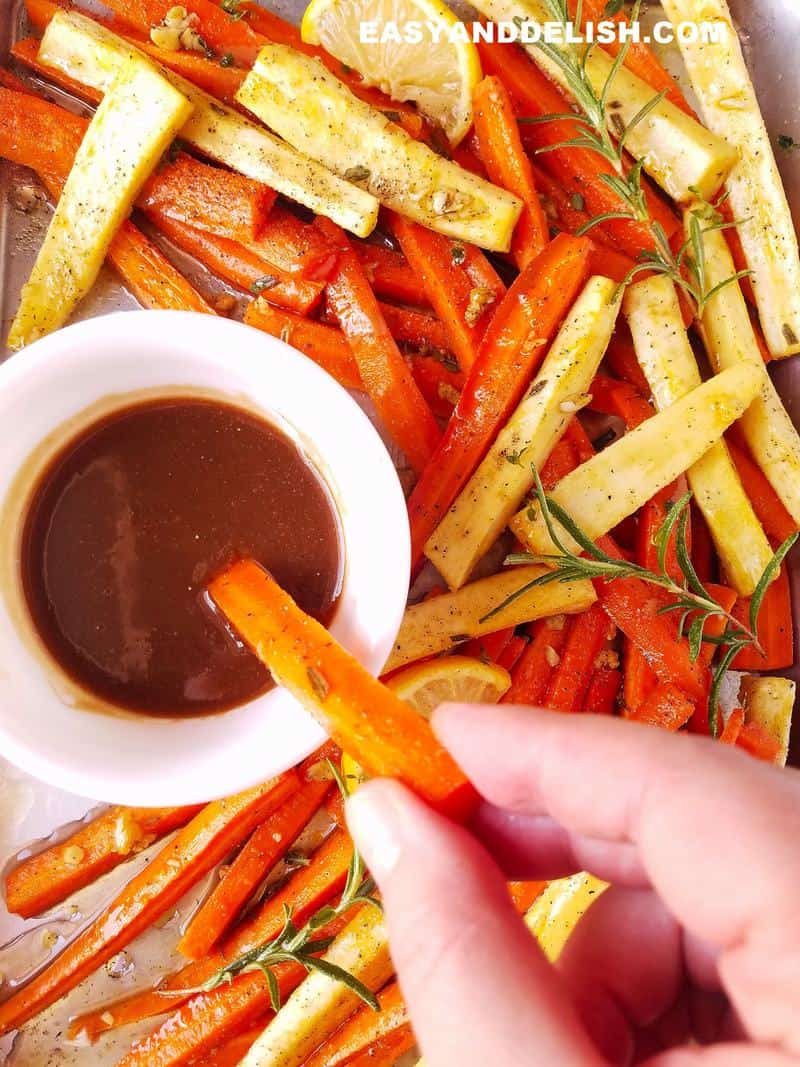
452, 678
436, 68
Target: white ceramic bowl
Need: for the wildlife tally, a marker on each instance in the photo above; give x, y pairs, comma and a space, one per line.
58, 385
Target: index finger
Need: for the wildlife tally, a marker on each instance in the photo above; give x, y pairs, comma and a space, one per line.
715, 830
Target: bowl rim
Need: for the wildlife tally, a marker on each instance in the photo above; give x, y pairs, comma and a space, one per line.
310, 406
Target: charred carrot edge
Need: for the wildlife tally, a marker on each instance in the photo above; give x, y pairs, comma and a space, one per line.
753, 738
358, 1033
507, 165
512, 348
208, 198
386, 377
603, 692
267, 845
489, 647
769, 508
775, 628
324, 344
580, 171
640, 59
611, 397
440, 386
448, 273
238, 265
54, 874
198, 847
621, 359
733, 727
389, 274
666, 707
307, 889
531, 676
588, 632
381, 732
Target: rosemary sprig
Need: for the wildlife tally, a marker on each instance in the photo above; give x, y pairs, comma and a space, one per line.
686, 267
303, 945
690, 598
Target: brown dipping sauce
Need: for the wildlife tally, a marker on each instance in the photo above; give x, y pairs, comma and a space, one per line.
135, 516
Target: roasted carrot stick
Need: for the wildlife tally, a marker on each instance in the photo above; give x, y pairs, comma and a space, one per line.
489, 647
581, 171
387, 1051
753, 738
531, 676
324, 344
601, 696
416, 329
440, 387
512, 653
198, 847
362, 1030
512, 348
149, 276
98, 847
733, 727
384, 373
389, 274
238, 265
295, 246
666, 707
769, 508
508, 166
587, 634
231, 1053
381, 732
457, 280
523, 894
775, 628
639, 58
208, 198
267, 845
307, 889
612, 397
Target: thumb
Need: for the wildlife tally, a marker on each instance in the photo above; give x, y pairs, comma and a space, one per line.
478, 989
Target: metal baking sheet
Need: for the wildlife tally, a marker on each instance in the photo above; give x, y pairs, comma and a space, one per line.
30, 810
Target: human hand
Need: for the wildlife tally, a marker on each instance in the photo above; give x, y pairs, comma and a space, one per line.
697, 940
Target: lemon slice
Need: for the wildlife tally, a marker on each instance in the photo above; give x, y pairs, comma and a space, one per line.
438, 73
427, 685
453, 678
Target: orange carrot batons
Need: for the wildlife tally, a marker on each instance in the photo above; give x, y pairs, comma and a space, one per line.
382, 733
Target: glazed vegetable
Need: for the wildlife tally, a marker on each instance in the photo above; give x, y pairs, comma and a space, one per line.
508, 166
268, 845
512, 349
440, 623
363, 1029
666, 707
581, 171
777, 522
208, 198
362, 145
666, 357
587, 636
531, 676
503, 479
50, 876
324, 344
390, 275
730, 341
384, 373
457, 280
108, 172
198, 847
619, 480
321, 1003
307, 889
728, 103
364, 717
93, 54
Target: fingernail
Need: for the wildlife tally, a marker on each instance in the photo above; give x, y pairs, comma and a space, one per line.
374, 822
